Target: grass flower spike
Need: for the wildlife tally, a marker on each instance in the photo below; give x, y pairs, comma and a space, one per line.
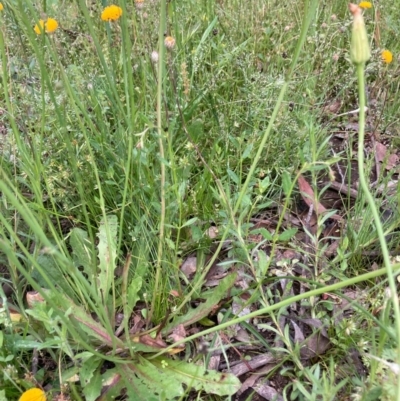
365, 4
33, 394
359, 49
111, 13
387, 56
49, 26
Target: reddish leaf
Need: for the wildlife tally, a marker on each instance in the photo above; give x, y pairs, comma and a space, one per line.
380, 151
308, 195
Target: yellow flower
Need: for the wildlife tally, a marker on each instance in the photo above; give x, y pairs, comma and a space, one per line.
33, 394
1, 7
387, 56
169, 42
49, 26
111, 13
39, 27
365, 4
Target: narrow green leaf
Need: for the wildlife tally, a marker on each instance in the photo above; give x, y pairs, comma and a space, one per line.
212, 298
233, 176
286, 182
190, 222
262, 263
264, 232
287, 234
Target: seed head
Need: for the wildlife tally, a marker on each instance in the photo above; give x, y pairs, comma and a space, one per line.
139, 4
154, 56
169, 42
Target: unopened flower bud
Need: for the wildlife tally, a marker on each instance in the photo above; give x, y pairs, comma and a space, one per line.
359, 50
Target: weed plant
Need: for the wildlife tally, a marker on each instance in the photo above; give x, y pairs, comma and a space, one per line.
125, 141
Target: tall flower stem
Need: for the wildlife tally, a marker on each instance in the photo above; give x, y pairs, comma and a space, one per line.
374, 209
160, 80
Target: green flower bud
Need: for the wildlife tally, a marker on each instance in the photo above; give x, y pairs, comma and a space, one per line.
359, 50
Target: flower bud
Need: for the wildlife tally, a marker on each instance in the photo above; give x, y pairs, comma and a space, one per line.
359, 50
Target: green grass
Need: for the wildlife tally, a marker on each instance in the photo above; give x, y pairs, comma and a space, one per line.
114, 168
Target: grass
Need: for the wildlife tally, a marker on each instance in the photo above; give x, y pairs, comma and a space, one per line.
122, 158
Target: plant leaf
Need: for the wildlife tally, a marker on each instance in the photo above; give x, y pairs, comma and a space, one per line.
287, 234
165, 378
82, 251
50, 267
83, 321
107, 248
212, 298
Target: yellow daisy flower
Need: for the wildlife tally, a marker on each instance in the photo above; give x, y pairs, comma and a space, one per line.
33, 394
39, 28
49, 26
365, 4
1, 7
387, 56
111, 13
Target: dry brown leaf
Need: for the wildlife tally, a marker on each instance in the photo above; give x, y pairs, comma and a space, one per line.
178, 333
380, 151
33, 297
298, 333
267, 392
314, 345
392, 161
212, 232
259, 360
150, 341
189, 266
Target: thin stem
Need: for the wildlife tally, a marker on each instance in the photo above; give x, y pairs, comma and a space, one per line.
374, 210
160, 80
288, 301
